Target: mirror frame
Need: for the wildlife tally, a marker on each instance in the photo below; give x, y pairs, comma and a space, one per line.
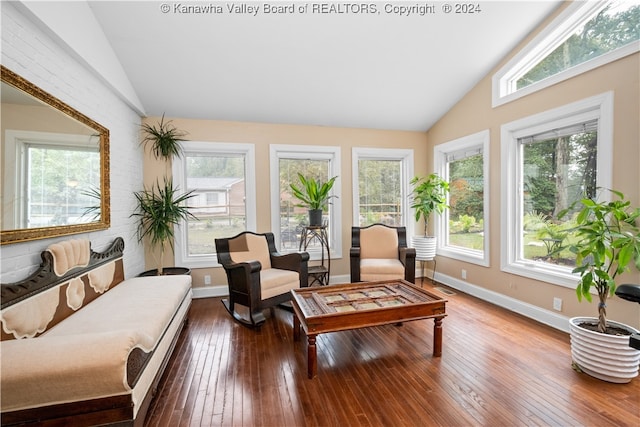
29, 234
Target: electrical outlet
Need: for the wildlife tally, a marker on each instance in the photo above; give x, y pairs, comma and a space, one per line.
557, 304
464, 274
207, 279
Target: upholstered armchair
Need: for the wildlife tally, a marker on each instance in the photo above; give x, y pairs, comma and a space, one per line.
258, 276
380, 252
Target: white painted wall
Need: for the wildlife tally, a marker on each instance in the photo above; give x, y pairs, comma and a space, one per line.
74, 24
31, 49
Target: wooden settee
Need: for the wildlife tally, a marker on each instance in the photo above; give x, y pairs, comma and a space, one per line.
83, 346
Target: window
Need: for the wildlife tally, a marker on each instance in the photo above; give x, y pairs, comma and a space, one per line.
287, 219
585, 36
57, 179
222, 178
381, 194
550, 161
464, 227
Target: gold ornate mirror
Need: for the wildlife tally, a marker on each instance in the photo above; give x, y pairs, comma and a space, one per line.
55, 166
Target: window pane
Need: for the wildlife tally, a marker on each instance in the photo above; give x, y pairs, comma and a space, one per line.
219, 201
614, 27
61, 181
380, 190
462, 227
466, 201
292, 217
556, 173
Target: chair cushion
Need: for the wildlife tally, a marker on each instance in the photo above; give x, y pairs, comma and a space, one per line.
249, 247
378, 242
274, 282
372, 269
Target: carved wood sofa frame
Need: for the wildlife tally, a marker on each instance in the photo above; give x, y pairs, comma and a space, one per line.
112, 410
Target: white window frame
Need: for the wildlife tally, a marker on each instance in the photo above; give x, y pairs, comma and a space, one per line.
306, 152
181, 256
405, 157
598, 107
16, 144
479, 140
504, 81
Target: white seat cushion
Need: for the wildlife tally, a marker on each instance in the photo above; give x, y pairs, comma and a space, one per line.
145, 305
274, 281
372, 269
85, 356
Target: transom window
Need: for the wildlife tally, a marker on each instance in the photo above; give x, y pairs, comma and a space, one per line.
551, 161
585, 36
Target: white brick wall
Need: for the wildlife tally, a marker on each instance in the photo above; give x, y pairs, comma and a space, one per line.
38, 57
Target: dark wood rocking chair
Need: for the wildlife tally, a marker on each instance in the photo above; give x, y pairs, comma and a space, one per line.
258, 276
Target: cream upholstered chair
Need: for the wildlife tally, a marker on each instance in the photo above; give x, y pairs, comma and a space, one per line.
380, 252
258, 276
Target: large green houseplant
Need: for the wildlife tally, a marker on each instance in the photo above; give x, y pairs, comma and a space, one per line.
606, 242
160, 208
314, 195
158, 211
429, 194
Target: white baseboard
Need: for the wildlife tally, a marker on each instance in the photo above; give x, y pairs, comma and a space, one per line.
210, 291
531, 311
337, 280
223, 290
538, 314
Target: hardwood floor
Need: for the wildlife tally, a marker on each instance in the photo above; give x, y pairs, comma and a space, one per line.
497, 369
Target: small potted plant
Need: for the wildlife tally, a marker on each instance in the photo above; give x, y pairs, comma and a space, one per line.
314, 195
429, 195
160, 208
164, 139
606, 242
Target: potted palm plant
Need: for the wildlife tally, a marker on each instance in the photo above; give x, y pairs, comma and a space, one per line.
606, 242
160, 208
314, 195
164, 139
429, 195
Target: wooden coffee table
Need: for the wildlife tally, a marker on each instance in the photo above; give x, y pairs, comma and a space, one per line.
361, 305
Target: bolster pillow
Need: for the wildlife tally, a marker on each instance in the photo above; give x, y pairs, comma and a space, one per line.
58, 369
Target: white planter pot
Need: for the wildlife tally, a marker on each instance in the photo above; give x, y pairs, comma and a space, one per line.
425, 247
606, 357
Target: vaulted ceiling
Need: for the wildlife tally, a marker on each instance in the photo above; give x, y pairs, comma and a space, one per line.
337, 66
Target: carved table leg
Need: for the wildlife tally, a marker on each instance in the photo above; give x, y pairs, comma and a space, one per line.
296, 328
437, 336
312, 357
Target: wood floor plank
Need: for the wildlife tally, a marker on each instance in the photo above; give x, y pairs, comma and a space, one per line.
497, 368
